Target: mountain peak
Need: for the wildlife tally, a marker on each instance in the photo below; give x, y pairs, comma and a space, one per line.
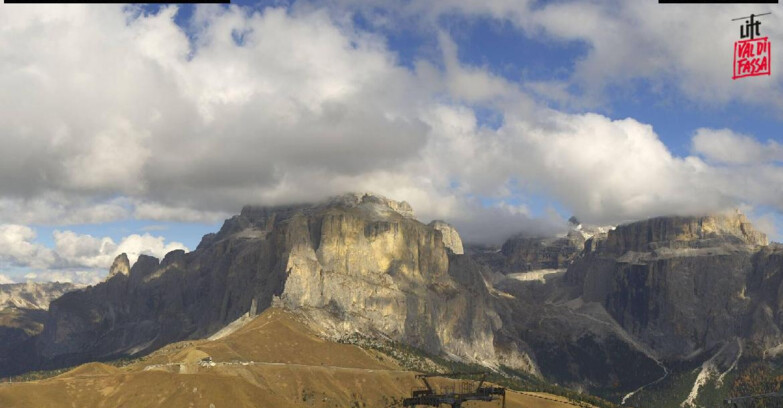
368, 199
121, 265
451, 238
685, 231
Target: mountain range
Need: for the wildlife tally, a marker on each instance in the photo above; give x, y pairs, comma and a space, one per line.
669, 311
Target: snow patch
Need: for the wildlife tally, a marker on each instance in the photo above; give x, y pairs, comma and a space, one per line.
540, 275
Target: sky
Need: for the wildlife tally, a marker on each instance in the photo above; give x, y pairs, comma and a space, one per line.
138, 129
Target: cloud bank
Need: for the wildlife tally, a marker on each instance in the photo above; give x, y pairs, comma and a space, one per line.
111, 113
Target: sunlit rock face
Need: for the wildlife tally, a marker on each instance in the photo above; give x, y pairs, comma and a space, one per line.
355, 263
121, 265
366, 267
451, 238
684, 232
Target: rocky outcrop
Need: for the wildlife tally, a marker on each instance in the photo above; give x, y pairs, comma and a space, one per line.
355, 263
527, 254
399, 275
187, 295
681, 284
684, 232
374, 202
121, 265
450, 236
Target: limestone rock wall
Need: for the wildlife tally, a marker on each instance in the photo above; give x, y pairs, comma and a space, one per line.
682, 232
526, 254
681, 284
355, 263
121, 265
388, 274
451, 238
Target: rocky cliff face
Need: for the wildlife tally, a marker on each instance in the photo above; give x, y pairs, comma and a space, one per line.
680, 284
521, 254
399, 274
121, 265
22, 314
527, 254
356, 263
684, 232
450, 236
654, 295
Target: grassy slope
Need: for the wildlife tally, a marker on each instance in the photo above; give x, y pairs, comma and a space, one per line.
274, 361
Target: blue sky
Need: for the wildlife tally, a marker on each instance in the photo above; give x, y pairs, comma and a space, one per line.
497, 117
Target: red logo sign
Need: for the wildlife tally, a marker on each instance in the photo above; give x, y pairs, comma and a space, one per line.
752, 57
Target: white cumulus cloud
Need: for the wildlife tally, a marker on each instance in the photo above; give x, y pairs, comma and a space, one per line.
81, 250
18, 249
726, 146
75, 257
289, 105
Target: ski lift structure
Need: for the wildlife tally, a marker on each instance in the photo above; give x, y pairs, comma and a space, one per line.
454, 396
